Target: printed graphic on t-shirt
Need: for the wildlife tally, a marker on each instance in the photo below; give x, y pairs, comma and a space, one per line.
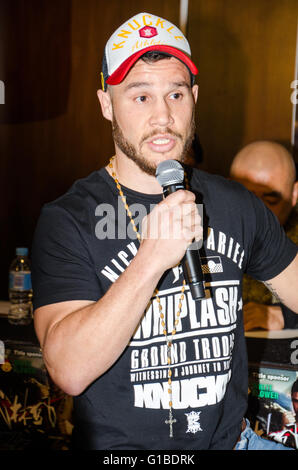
193, 423
202, 347
201, 352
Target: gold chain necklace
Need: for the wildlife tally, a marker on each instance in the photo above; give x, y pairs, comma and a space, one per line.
169, 341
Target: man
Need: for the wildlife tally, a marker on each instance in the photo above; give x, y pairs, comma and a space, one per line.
268, 170
149, 367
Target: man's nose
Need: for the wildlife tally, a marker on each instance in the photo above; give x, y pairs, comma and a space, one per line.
161, 114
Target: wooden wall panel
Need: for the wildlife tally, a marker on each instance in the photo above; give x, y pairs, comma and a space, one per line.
51, 128
246, 54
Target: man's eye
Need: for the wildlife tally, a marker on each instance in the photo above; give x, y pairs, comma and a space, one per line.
271, 201
176, 96
141, 99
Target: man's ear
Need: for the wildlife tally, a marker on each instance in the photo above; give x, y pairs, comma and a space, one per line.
105, 101
295, 194
195, 92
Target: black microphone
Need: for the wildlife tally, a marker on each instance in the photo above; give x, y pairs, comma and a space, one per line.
170, 175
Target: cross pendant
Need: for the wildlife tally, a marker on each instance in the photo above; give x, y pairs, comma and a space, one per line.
171, 421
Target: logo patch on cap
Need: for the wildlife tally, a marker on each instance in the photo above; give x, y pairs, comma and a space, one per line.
148, 32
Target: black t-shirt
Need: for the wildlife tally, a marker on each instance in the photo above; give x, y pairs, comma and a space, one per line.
84, 241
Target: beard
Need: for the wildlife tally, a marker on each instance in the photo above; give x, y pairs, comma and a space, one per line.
144, 164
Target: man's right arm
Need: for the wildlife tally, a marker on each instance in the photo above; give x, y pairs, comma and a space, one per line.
82, 339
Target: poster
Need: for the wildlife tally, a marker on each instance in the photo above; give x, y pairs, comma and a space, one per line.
273, 403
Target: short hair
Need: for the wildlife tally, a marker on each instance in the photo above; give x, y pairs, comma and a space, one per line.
151, 57
154, 56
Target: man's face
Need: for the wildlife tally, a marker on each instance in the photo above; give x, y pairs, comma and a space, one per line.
273, 187
153, 113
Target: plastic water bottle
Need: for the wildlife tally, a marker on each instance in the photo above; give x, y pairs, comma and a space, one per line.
20, 289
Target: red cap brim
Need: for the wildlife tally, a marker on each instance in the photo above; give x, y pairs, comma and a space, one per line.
124, 68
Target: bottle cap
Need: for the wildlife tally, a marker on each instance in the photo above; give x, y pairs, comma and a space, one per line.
22, 251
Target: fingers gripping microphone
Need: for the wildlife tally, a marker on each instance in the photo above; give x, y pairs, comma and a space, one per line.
170, 175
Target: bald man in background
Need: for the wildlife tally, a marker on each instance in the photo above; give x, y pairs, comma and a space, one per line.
268, 170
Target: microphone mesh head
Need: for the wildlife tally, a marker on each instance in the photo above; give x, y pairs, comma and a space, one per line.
169, 172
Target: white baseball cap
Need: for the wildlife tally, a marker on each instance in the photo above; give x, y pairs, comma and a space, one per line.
142, 33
